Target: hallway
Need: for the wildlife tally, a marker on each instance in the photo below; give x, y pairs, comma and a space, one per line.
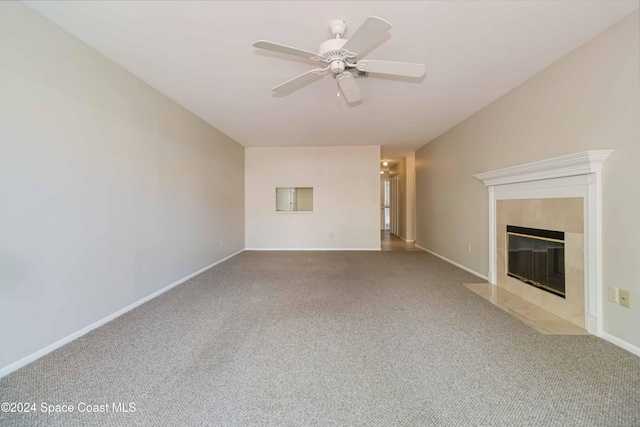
389, 242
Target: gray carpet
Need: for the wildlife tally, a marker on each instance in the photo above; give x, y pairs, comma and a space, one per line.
330, 339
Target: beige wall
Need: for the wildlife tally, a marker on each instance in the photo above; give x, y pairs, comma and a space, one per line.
400, 170
346, 197
109, 191
410, 196
589, 99
405, 170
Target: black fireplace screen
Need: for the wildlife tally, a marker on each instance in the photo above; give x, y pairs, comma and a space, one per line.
536, 257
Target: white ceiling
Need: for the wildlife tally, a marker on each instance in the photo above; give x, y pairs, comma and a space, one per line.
200, 54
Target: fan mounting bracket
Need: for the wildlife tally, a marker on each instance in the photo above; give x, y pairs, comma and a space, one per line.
338, 27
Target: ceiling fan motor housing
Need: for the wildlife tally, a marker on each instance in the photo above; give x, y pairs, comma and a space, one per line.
331, 52
331, 45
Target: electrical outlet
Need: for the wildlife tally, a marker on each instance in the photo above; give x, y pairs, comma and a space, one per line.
612, 294
624, 298
221, 243
469, 248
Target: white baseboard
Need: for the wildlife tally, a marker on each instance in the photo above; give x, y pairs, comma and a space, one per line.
48, 349
467, 269
621, 343
591, 324
408, 241
312, 249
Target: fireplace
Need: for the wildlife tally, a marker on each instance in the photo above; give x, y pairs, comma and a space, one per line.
562, 193
536, 257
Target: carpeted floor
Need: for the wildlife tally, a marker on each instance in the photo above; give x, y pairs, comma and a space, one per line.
329, 339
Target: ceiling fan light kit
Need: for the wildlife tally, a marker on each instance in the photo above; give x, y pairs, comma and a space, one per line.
341, 55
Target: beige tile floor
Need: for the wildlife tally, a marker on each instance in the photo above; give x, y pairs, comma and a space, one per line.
389, 242
531, 315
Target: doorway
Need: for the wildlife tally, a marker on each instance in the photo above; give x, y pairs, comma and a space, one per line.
389, 242
385, 205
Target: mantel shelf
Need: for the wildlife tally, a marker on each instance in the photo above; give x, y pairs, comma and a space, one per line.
558, 167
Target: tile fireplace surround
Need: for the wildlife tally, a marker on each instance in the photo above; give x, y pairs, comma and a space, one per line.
564, 215
563, 194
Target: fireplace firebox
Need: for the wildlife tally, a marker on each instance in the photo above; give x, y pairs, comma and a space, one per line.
536, 257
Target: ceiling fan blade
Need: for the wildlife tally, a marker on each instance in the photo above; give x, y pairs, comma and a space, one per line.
370, 31
300, 81
349, 88
405, 69
263, 44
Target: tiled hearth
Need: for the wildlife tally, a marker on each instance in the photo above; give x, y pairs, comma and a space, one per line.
529, 314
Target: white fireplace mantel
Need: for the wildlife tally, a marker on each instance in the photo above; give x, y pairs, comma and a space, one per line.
573, 175
573, 164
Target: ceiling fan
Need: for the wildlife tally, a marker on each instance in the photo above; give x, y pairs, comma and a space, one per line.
341, 55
